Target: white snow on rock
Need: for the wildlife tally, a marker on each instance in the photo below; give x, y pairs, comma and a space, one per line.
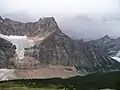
7, 74
116, 58
21, 43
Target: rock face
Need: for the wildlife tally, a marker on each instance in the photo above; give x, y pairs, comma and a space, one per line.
41, 28
52, 47
7, 51
61, 50
110, 46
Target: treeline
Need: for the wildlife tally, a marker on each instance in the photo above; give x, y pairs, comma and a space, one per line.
89, 82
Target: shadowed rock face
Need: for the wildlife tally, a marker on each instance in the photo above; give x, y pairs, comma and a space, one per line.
7, 51
58, 49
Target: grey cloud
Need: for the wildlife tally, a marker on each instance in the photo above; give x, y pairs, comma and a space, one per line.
81, 26
68, 15
19, 17
91, 27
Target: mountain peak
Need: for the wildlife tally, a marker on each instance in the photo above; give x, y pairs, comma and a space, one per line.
49, 22
7, 19
106, 37
102, 41
1, 19
47, 19
42, 27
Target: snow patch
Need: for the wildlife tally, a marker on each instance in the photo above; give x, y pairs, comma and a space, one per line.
21, 43
6, 74
116, 58
17, 37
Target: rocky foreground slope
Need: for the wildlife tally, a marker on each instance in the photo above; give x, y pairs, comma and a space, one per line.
53, 50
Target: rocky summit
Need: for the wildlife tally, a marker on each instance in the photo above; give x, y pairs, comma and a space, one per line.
109, 45
53, 51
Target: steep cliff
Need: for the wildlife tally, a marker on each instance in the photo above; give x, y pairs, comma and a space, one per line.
7, 51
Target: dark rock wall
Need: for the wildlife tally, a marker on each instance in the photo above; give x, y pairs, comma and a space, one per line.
7, 51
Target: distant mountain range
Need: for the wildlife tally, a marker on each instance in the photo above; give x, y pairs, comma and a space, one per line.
90, 27
54, 53
109, 45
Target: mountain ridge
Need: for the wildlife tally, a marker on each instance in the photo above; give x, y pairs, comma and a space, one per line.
110, 46
53, 47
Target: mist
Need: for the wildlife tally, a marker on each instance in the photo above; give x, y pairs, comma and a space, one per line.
87, 19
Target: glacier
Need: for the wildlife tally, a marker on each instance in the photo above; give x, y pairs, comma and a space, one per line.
21, 43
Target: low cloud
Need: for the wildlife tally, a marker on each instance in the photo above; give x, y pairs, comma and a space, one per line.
91, 27
87, 19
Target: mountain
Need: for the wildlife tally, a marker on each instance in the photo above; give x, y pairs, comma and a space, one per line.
53, 53
110, 46
102, 41
41, 28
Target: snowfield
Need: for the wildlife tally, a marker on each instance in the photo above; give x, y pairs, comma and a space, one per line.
21, 43
7, 74
116, 58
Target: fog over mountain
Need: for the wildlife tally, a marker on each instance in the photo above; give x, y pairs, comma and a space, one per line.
87, 19
83, 26
92, 27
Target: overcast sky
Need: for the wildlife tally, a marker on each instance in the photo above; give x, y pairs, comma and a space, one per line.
78, 18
